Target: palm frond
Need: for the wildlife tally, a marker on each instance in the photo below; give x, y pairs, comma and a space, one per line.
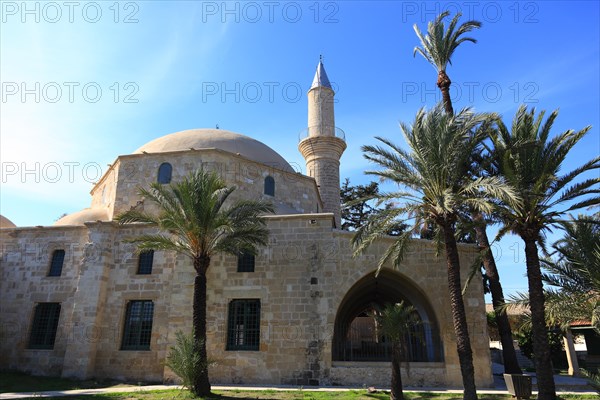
195, 218
529, 160
158, 242
432, 176
439, 44
136, 216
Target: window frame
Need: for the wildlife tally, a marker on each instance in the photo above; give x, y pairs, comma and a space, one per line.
246, 262
143, 268
246, 338
44, 326
56, 264
133, 330
165, 173
269, 186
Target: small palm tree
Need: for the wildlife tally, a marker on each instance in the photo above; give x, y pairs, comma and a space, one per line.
530, 161
195, 221
435, 188
439, 45
396, 322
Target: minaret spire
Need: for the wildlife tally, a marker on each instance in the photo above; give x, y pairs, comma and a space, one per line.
322, 144
321, 78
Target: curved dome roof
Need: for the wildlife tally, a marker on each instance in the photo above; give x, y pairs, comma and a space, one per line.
6, 223
220, 139
83, 216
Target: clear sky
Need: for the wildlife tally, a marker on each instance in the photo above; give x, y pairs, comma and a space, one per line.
83, 82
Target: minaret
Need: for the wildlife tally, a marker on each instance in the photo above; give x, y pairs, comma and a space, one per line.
322, 144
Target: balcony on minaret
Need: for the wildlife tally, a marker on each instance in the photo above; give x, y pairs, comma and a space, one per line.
316, 131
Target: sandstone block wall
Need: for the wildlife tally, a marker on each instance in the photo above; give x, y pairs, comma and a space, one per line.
301, 278
118, 189
25, 262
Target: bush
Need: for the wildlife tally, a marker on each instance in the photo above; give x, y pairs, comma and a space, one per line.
555, 340
184, 360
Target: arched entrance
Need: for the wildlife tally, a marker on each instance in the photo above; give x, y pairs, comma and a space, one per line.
356, 337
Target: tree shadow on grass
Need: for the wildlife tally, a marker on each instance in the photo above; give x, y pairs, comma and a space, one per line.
148, 395
378, 396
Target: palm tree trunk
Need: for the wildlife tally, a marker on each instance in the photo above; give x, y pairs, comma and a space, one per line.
444, 83
396, 392
511, 365
201, 385
541, 348
463, 342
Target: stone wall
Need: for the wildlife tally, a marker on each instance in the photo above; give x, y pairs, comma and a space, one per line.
104, 191
118, 188
25, 262
308, 269
380, 374
301, 279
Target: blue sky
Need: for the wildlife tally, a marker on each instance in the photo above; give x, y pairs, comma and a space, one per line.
83, 82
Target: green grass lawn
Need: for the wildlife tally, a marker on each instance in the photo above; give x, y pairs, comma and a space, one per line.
289, 395
13, 381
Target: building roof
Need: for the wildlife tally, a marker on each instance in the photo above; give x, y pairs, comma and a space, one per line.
579, 323
6, 223
83, 216
321, 78
217, 139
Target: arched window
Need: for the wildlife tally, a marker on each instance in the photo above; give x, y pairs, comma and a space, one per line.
56, 264
164, 173
145, 262
270, 186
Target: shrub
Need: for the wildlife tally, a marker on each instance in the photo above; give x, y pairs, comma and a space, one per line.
184, 359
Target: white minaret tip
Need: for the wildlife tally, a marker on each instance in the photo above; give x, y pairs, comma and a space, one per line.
321, 78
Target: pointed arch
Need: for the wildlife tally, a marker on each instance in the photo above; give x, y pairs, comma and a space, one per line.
355, 337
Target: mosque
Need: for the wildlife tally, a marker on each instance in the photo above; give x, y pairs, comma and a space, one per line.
78, 301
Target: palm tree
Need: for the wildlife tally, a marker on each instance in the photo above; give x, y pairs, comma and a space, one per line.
530, 161
439, 45
196, 222
435, 189
396, 322
575, 274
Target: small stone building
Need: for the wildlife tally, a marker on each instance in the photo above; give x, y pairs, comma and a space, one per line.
77, 301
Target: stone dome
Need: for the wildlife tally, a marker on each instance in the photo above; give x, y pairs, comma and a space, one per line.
6, 223
83, 216
219, 139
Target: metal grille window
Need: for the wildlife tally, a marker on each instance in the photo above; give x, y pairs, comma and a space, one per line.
245, 262
145, 262
44, 326
243, 330
270, 186
138, 325
56, 264
164, 173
